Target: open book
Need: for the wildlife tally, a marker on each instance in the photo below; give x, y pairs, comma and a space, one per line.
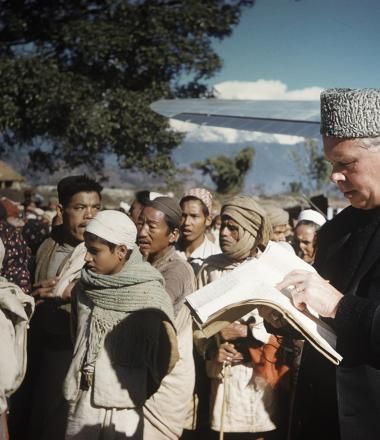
251, 285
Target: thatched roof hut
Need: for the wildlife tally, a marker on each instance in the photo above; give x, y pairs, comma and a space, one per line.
9, 178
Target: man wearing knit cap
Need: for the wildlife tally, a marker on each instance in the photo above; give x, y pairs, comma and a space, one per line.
158, 230
194, 245
348, 256
253, 405
125, 337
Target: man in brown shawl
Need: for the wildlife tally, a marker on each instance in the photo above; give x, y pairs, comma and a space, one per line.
158, 230
236, 357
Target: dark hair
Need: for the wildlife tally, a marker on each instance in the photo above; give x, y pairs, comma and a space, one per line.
172, 226
142, 197
3, 212
93, 237
71, 185
205, 210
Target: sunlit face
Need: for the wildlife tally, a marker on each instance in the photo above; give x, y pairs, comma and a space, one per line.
153, 235
229, 233
305, 239
356, 171
194, 221
101, 259
279, 233
83, 206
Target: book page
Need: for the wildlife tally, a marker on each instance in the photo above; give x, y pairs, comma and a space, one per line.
253, 283
270, 267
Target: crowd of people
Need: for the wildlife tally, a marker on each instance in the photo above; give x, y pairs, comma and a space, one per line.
98, 342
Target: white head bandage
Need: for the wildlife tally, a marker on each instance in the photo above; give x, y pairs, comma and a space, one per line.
114, 226
312, 216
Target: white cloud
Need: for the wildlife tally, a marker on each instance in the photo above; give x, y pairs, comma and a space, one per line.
196, 133
263, 89
260, 89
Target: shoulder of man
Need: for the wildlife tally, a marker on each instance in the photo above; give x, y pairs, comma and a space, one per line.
341, 224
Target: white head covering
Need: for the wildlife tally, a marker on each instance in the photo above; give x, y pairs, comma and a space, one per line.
312, 216
124, 205
153, 195
114, 226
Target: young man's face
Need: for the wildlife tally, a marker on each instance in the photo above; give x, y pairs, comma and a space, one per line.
153, 236
194, 221
82, 207
229, 233
279, 232
101, 260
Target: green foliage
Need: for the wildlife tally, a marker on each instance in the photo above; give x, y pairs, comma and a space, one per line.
313, 168
227, 173
77, 77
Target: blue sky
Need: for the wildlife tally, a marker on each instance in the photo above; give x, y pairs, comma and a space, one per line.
287, 49
305, 43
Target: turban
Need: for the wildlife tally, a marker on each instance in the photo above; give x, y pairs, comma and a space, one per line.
277, 216
312, 216
113, 226
254, 226
201, 194
169, 207
350, 113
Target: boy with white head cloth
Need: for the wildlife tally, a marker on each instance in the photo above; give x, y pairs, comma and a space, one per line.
125, 339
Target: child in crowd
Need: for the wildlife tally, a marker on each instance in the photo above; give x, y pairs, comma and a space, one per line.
125, 339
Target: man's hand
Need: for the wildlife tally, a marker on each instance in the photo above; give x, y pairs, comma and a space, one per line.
227, 353
310, 289
272, 316
44, 289
234, 331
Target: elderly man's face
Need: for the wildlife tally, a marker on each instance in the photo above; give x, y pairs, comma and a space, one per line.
229, 233
153, 235
356, 171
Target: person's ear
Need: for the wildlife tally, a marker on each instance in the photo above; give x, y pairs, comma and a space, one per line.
59, 210
173, 236
208, 221
122, 251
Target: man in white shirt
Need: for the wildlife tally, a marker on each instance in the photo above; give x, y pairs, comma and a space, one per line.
193, 245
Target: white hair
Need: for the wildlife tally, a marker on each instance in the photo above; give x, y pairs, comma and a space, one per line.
372, 143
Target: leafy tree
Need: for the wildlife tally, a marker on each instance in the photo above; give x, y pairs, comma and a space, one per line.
77, 77
227, 173
313, 168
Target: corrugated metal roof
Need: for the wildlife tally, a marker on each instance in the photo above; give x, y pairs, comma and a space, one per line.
299, 118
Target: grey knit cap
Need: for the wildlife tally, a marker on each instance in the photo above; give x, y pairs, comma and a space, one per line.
350, 113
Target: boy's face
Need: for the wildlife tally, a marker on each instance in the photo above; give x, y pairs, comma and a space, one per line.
100, 259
